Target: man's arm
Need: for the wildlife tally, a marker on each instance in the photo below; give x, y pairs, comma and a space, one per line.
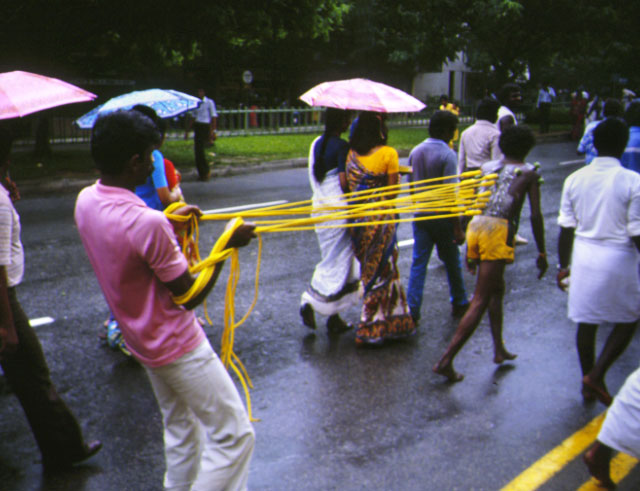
537, 224
181, 285
392, 179
167, 196
462, 155
565, 246
344, 184
188, 120
8, 336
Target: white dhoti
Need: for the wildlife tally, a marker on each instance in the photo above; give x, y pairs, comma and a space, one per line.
604, 284
335, 284
621, 427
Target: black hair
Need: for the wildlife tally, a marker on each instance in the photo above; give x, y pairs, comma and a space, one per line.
516, 142
6, 141
153, 115
336, 121
632, 114
442, 125
610, 137
370, 131
506, 90
488, 109
612, 108
118, 136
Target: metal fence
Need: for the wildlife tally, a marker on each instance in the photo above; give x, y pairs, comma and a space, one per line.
240, 122
231, 122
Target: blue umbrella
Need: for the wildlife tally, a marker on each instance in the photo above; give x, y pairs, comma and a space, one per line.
166, 103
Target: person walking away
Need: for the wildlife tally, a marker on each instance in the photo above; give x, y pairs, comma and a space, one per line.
490, 243
631, 156
479, 142
454, 109
545, 98
620, 431
599, 238
577, 112
335, 282
133, 250
433, 159
371, 164
25, 369
510, 98
612, 109
204, 124
594, 110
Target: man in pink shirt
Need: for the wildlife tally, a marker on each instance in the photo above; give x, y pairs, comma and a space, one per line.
134, 253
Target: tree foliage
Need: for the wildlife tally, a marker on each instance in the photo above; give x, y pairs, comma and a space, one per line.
290, 44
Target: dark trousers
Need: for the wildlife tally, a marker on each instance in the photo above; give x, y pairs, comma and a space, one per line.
545, 116
426, 235
201, 133
53, 425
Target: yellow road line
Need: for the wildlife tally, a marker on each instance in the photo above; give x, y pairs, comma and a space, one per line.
550, 464
621, 465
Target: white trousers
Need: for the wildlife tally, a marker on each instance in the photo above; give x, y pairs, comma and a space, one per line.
208, 438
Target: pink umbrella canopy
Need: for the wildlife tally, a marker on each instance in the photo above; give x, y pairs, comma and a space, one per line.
363, 95
23, 93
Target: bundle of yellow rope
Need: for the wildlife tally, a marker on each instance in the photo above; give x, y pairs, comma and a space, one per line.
437, 198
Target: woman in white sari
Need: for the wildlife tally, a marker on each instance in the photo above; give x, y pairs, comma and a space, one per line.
335, 282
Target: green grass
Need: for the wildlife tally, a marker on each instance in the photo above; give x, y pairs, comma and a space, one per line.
75, 160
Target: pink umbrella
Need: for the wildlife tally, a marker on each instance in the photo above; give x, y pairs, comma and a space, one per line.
23, 93
363, 95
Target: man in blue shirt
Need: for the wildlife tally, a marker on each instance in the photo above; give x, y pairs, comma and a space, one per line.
631, 156
612, 109
430, 159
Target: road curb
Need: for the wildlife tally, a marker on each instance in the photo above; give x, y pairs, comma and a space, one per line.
75, 184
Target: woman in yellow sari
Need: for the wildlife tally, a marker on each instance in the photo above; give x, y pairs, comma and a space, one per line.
372, 164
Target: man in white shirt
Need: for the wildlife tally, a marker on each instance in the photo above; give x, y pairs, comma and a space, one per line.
204, 123
510, 97
600, 208
545, 98
479, 142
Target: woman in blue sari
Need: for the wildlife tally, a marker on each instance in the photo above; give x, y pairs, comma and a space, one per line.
373, 164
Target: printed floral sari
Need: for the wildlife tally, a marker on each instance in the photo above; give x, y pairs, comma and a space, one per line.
385, 314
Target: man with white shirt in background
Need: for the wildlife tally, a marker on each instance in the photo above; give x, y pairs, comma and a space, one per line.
204, 124
479, 142
545, 98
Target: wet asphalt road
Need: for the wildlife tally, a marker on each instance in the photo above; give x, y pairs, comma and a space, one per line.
332, 416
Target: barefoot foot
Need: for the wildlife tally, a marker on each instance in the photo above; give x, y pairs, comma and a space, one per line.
308, 318
502, 356
598, 468
597, 389
448, 371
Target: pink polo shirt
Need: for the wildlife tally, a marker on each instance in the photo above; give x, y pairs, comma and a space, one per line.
133, 251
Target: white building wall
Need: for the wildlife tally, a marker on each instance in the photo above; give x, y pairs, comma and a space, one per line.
434, 84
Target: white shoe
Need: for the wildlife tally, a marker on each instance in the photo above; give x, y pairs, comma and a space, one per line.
520, 240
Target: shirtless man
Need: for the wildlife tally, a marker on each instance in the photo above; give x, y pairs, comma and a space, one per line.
490, 241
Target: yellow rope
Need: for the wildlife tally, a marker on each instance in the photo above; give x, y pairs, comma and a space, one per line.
439, 199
